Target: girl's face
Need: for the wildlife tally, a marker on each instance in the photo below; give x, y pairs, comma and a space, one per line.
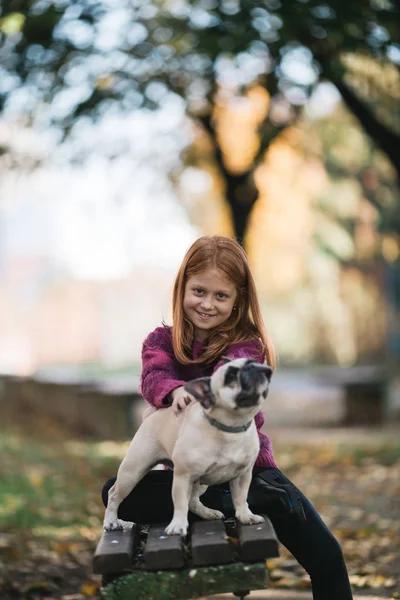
208, 301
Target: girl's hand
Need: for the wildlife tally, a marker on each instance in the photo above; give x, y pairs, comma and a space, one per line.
180, 399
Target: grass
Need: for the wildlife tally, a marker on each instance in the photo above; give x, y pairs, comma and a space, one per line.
53, 484
386, 455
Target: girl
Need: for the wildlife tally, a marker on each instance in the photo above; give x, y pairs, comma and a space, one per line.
216, 313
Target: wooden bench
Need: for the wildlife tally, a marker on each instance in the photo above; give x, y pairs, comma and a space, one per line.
142, 563
365, 392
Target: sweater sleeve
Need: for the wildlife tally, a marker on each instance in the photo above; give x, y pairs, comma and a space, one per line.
159, 375
249, 349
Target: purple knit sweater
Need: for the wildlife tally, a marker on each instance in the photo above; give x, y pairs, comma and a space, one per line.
162, 373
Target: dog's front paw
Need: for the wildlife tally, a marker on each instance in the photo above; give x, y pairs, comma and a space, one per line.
112, 525
248, 518
177, 527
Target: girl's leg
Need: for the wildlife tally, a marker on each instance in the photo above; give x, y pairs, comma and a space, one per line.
149, 502
309, 540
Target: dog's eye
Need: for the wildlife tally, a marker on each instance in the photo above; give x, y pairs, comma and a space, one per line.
251, 361
231, 375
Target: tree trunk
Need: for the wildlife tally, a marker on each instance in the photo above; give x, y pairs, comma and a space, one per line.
241, 195
240, 189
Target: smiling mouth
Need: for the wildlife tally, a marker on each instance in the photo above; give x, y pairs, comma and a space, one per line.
204, 315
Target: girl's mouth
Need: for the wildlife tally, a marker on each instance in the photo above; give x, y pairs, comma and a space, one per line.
204, 315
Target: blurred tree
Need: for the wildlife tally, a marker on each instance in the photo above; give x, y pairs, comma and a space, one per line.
358, 225
88, 56
358, 173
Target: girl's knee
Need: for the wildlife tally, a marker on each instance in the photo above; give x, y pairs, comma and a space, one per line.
335, 552
106, 487
328, 556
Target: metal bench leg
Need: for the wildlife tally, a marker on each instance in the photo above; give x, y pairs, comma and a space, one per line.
242, 594
110, 577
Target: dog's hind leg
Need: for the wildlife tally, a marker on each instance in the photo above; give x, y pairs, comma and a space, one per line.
198, 508
143, 453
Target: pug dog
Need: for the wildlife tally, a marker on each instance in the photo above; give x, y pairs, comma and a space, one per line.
212, 441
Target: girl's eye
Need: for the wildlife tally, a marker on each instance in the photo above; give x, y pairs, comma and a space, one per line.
221, 295
198, 290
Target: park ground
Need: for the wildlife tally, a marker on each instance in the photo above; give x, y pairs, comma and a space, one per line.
51, 514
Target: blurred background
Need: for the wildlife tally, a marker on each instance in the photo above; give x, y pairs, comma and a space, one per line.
128, 128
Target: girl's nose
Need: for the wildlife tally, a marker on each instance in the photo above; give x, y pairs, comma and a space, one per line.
206, 303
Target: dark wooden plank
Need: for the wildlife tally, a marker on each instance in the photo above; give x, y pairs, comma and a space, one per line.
163, 551
188, 583
258, 541
115, 551
210, 545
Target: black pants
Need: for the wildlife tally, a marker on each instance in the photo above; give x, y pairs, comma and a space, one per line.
309, 539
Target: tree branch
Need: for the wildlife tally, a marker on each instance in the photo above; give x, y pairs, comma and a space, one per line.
386, 139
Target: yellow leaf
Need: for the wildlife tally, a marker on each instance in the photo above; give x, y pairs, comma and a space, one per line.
90, 588
232, 540
305, 581
285, 582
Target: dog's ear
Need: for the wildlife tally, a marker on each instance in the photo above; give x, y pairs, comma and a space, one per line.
225, 359
267, 370
201, 389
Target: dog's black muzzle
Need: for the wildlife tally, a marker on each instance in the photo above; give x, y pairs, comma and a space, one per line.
251, 376
245, 401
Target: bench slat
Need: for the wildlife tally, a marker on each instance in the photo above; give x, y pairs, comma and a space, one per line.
209, 544
258, 541
163, 551
115, 550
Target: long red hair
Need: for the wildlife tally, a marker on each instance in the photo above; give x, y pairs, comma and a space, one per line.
245, 323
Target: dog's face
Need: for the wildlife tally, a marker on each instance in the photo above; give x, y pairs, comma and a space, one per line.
239, 385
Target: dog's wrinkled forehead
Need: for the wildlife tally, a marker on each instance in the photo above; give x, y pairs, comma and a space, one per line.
232, 369
240, 371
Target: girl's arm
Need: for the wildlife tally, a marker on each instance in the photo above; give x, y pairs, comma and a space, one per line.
159, 375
